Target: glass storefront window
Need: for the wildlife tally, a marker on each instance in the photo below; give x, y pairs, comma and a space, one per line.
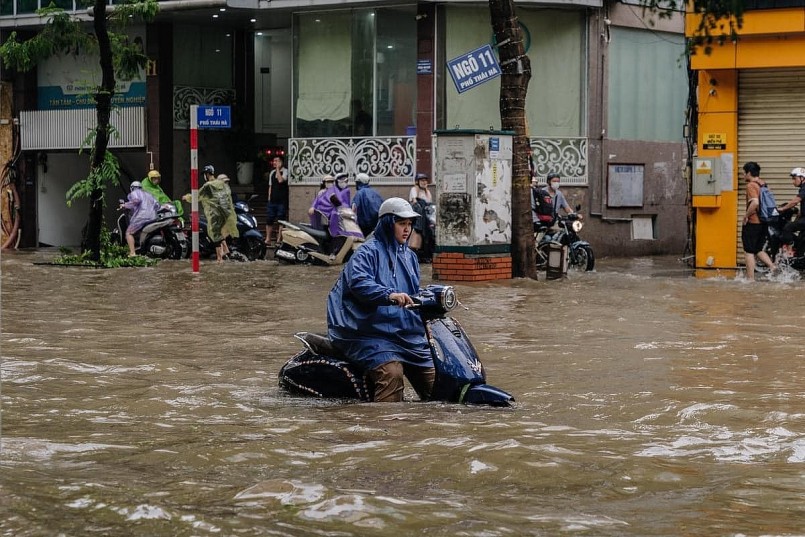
555, 43
395, 84
27, 6
354, 72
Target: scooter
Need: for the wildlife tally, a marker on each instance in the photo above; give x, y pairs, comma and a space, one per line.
249, 245
161, 238
303, 243
423, 235
251, 242
320, 370
773, 242
580, 253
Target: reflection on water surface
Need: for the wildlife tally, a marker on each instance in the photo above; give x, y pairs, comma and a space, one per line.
649, 402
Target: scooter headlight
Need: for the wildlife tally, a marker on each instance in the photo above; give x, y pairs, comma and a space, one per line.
448, 300
577, 225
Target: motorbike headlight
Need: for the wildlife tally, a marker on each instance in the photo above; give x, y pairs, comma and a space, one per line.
448, 300
577, 225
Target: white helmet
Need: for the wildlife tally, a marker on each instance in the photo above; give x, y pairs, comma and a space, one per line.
362, 178
398, 207
136, 184
798, 172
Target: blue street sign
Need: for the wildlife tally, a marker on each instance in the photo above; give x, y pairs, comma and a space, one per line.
474, 68
214, 117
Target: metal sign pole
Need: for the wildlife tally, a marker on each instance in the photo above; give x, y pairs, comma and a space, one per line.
194, 183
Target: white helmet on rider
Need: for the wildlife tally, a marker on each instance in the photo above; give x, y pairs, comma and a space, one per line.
136, 184
398, 207
342, 180
362, 178
798, 172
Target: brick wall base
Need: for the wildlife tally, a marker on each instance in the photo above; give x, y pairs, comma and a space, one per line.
461, 267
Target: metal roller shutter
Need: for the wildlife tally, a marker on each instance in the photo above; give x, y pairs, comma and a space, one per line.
771, 130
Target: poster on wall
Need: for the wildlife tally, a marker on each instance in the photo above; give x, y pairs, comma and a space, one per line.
625, 185
69, 81
493, 191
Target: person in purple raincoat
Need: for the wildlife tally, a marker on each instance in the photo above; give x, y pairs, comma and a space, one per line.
142, 208
328, 203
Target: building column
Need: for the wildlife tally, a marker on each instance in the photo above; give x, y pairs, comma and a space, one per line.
716, 222
425, 84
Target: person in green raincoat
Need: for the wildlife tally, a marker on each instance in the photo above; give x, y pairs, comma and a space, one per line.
151, 184
216, 200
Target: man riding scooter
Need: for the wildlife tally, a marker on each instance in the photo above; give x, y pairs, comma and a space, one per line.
787, 237
367, 315
152, 185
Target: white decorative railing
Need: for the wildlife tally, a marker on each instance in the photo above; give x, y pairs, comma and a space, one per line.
387, 160
565, 156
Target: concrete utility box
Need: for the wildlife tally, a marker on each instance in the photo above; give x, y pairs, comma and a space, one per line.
473, 179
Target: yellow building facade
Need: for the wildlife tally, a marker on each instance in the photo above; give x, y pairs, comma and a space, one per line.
751, 107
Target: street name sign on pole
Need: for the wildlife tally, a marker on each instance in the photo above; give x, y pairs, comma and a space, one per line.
202, 117
214, 117
472, 69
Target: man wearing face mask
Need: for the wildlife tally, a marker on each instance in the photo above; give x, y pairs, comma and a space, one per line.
559, 200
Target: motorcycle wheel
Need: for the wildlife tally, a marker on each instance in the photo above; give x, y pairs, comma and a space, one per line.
582, 258
253, 248
177, 248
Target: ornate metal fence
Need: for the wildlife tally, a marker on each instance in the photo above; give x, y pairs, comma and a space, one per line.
392, 160
565, 156
387, 160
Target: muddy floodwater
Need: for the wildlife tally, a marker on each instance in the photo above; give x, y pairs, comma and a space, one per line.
649, 403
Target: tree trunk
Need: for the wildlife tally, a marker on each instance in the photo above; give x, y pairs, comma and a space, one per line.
516, 68
103, 107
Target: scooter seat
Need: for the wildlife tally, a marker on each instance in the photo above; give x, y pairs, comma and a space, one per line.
317, 234
319, 344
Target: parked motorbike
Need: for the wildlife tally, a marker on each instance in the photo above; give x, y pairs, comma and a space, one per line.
303, 243
320, 370
251, 241
580, 253
423, 235
773, 243
161, 238
250, 244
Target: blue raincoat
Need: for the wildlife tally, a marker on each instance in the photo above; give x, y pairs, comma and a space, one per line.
360, 320
367, 203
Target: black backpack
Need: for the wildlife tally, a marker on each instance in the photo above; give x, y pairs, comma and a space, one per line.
543, 204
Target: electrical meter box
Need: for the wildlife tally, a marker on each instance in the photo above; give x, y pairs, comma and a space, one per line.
473, 176
705, 177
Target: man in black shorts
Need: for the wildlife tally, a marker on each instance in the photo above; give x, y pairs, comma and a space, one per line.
753, 232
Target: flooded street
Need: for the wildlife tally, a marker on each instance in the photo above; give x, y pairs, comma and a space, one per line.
649, 403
